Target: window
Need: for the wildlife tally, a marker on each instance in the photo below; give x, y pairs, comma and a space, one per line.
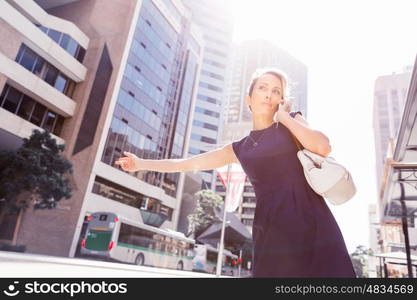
37, 65
58, 126
214, 51
248, 211
212, 75
11, 98
49, 121
29, 60
43, 28
208, 140
51, 75
37, 69
80, 54
26, 107
211, 87
208, 99
55, 35
72, 47
247, 222
65, 41
38, 114
214, 63
61, 83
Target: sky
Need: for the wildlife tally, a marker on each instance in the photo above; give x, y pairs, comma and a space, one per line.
345, 45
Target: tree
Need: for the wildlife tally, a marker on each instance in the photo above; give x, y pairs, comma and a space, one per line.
359, 260
204, 214
34, 174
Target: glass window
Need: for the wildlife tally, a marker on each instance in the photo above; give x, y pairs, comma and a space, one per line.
49, 121
136, 108
55, 35
20, 53
26, 107
43, 28
70, 87
64, 41
72, 47
37, 69
51, 75
12, 99
60, 83
28, 59
141, 141
38, 114
80, 54
58, 126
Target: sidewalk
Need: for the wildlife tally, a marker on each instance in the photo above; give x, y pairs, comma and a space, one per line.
20, 265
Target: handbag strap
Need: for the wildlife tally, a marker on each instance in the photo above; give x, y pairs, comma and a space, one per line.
300, 147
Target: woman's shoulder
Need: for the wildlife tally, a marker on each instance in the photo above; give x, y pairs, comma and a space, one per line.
237, 144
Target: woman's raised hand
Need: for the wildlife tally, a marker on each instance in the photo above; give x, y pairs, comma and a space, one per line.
284, 108
130, 162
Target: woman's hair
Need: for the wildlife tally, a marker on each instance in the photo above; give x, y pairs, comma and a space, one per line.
274, 71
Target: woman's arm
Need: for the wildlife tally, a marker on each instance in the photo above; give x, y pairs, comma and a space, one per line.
312, 140
205, 161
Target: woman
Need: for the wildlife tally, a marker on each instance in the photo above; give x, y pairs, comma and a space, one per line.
294, 231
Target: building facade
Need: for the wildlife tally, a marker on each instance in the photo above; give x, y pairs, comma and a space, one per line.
214, 19
104, 77
390, 94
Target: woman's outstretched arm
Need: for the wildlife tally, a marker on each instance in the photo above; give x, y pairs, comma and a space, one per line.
205, 161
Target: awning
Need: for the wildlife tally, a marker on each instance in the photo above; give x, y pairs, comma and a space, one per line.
235, 232
397, 255
401, 170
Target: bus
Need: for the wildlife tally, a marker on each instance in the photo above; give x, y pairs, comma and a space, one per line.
205, 260
112, 237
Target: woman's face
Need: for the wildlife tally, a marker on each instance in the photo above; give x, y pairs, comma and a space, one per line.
266, 95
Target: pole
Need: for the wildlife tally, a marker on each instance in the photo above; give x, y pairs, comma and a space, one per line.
221, 246
405, 230
240, 261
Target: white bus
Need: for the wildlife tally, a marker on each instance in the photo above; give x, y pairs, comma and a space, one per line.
116, 238
205, 260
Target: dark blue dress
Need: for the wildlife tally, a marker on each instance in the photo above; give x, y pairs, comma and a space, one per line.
294, 232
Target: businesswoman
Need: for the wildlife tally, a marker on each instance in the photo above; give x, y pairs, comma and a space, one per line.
294, 232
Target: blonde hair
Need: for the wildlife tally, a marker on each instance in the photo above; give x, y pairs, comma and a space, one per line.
274, 71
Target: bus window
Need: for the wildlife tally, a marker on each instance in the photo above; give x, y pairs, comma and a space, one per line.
98, 240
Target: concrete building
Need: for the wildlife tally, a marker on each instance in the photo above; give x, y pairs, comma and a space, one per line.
104, 77
214, 19
215, 22
390, 94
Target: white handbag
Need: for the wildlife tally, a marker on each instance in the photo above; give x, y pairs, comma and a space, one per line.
326, 177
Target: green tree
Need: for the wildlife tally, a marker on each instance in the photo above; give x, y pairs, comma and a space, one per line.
360, 261
204, 214
33, 175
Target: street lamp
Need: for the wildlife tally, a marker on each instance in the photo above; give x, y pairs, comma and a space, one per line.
221, 244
